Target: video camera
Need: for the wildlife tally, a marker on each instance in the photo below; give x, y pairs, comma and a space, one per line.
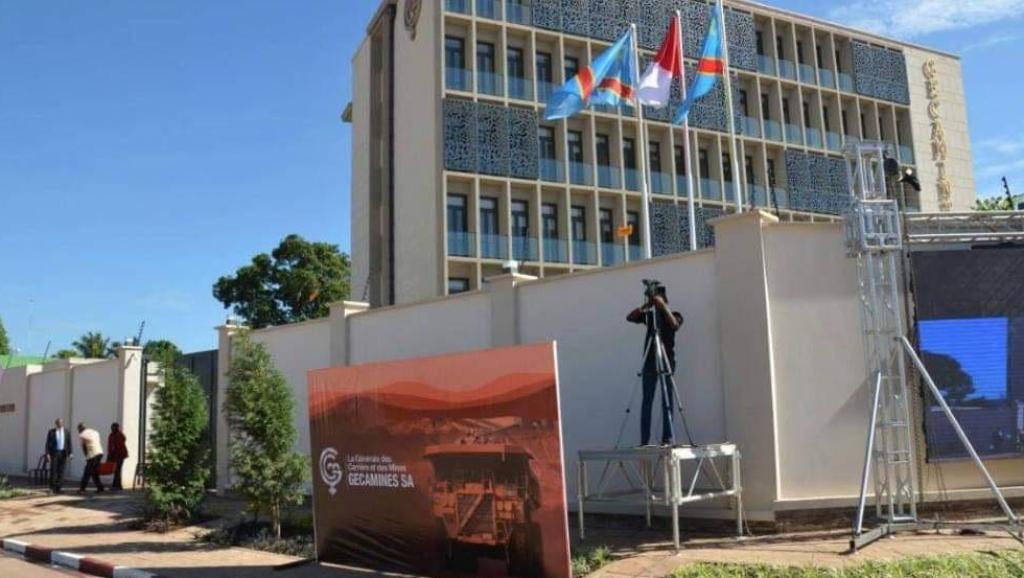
652, 287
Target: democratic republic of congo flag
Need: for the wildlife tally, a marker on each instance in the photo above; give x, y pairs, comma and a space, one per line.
710, 67
610, 79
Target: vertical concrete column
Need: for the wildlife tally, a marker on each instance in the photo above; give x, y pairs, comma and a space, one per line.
340, 335
505, 308
225, 333
747, 370
131, 393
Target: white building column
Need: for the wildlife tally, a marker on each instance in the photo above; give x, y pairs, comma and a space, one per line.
225, 335
505, 308
131, 395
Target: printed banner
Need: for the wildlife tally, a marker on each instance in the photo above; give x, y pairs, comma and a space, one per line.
442, 466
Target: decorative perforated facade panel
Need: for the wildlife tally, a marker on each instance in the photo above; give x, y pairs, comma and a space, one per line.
575, 18
522, 143
880, 73
817, 183
492, 139
739, 30
670, 228
459, 135
547, 14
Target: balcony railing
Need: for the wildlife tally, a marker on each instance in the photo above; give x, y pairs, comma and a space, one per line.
730, 191
461, 244
524, 249
494, 247
781, 197
605, 108
555, 251
488, 9
682, 189
757, 195
807, 74
710, 189
765, 64
834, 140
661, 183
845, 82
545, 89
458, 79
607, 177
750, 126
584, 253
552, 171
906, 155
612, 254
632, 179
793, 134
787, 69
490, 83
636, 252
520, 88
826, 78
813, 137
458, 6
773, 130
581, 174
517, 12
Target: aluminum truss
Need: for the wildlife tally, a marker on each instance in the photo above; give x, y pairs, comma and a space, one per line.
874, 237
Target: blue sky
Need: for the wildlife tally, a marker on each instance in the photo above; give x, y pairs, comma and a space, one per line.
980, 345
147, 148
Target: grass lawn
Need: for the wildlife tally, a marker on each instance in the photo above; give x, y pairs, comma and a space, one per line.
1008, 564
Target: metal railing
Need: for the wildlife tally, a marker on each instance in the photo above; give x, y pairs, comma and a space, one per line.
682, 189
555, 251
461, 244
607, 177
494, 247
750, 126
906, 155
661, 183
524, 249
813, 137
636, 252
584, 253
730, 191
581, 174
552, 171
807, 74
834, 141
488, 9
793, 134
773, 130
766, 64
490, 83
612, 254
787, 69
710, 189
632, 177
457, 6
458, 79
520, 88
826, 78
845, 82
517, 13
544, 90
973, 227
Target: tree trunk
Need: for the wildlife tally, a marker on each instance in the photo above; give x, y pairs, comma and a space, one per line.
276, 513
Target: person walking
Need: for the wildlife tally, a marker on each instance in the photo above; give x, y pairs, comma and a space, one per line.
117, 453
93, 451
58, 451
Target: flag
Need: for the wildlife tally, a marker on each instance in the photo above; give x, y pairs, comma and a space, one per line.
618, 87
655, 87
576, 94
710, 67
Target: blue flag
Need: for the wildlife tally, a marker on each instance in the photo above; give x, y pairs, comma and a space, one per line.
609, 79
710, 68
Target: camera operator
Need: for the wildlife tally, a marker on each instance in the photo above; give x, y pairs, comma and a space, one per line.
658, 319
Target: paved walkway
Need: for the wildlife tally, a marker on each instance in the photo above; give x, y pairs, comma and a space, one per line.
104, 527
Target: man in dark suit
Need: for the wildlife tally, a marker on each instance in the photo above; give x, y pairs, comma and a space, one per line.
58, 448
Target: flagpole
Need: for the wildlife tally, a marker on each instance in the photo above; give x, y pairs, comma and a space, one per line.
737, 178
691, 209
645, 210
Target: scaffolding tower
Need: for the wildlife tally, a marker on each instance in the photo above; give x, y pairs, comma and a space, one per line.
874, 236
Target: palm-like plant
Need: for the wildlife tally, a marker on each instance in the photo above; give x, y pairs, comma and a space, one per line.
93, 345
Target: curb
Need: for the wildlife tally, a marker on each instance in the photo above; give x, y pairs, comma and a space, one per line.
83, 564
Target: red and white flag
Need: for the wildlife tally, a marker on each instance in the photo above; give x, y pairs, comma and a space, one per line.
655, 87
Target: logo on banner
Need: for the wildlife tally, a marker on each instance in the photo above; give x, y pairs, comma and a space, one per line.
330, 470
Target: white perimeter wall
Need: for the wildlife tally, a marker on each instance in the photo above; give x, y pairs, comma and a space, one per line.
13, 425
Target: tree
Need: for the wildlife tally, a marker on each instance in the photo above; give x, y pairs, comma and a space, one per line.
5, 344
93, 345
1000, 203
66, 354
950, 377
178, 462
160, 349
297, 281
259, 408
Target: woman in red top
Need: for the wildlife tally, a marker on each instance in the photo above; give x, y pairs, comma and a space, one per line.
117, 453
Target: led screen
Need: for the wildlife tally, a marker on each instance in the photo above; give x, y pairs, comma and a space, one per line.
970, 323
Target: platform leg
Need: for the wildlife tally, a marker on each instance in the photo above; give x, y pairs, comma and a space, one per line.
672, 491
581, 492
737, 486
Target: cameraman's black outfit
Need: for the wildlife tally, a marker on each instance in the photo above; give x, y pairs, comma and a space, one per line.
650, 372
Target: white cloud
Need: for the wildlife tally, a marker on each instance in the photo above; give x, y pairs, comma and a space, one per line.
996, 158
914, 18
990, 41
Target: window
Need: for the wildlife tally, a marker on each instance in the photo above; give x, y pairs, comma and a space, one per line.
863, 126
633, 220
821, 59
520, 226
546, 142
457, 215
604, 150
760, 42
771, 172
785, 111
454, 52
607, 226
842, 118
828, 122
750, 169
800, 52
839, 61
544, 68
457, 285
579, 223
680, 160
654, 149
766, 109
702, 160
743, 102
575, 146
488, 216
726, 167
780, 47
807, 114
515, 64
549, 220
485, 57
572, 67
881, 129
629, 153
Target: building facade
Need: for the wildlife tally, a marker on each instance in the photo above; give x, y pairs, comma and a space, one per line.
455, 170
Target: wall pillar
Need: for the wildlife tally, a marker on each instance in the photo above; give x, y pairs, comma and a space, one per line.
339, 315
131, 392
504, 307
747, 369
225, 335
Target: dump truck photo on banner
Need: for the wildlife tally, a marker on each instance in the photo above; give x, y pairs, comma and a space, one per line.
441, 466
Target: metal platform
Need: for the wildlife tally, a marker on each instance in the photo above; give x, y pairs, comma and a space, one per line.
653, 476
977, 227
